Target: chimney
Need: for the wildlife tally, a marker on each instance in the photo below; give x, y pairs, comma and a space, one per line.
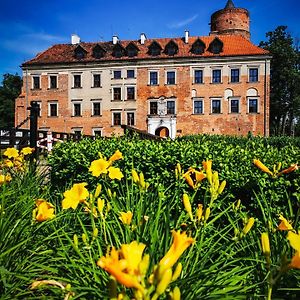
143, 38
115, 39
186, 36
75, 39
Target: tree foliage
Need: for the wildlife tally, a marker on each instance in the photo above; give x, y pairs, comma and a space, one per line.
9, 91
285, 81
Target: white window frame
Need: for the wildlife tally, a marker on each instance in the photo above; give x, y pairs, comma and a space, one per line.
130, 86
112, 92
93, 82
212, 72
134, 116
149, 107
229, 105
193, 75
149, 79
166, 76
248, 72
73, 80
198, 99
175, 106
49, 109
234, 68
113, 74
112, 117
134, 71
93, 101
97, 129
76, 129
73, 107
39, 77
49, 81
253, 98
211, 106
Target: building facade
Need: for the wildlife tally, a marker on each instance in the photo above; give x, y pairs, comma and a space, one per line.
216, 84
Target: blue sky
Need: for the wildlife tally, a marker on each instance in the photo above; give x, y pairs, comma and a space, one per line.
29, 27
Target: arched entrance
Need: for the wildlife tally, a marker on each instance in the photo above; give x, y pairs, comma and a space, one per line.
162, 132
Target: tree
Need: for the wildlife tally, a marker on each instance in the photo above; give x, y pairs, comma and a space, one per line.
9, 91
285, 81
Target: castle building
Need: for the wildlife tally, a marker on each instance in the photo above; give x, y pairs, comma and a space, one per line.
216, 84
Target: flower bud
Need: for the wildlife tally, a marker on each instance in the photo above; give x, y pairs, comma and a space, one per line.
207, 214
164, 282
177, 271
248, 226
265, 243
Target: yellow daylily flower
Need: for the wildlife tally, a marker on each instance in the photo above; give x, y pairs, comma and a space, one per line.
187, 205
284, 224
294, 240
44, 210
8, 163
122, 266
207, 167
27, 150
5, 178
133, 254
11, 153
180, 243
78, 193
115, 173
116, 156
262, 167
135, 176
265, 243
249, 225
197, 175
126, 217
99, 167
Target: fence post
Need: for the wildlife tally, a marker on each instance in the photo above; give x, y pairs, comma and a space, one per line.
34, 113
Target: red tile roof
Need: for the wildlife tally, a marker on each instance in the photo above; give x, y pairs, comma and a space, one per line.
233, 45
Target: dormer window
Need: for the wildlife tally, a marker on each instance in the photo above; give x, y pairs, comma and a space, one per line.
198, 47
98, 52
132, 50
80, 53
216, 46
171, 48
118, 51
154, 49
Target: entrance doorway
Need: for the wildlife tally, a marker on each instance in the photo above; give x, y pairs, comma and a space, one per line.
162, 132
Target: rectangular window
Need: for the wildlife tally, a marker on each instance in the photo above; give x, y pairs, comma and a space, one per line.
171, 77
116, 119
96, 80
153, 78
130, 118
216, 76
215, 106
77, 81
130, 73
198, 76
53, 109
117, 74
36, 82
53, 82
76, 109
234, 106
96, 109
198, 107
253, 105
130, 93
253, 74
97, 132
171, 107
77, 131
153, 108
235, 75
116, 93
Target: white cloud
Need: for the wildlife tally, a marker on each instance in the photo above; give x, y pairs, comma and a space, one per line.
182, 23
21, 38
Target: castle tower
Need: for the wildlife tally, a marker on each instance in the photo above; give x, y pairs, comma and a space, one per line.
230, 20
